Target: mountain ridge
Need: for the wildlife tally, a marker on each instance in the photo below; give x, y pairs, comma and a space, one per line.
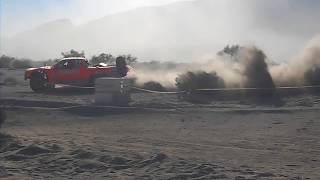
180, 31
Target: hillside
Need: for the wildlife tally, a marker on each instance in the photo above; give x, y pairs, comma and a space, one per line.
180, 31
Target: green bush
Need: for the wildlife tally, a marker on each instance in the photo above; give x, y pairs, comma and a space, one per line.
191, 81
73, 53
154, 86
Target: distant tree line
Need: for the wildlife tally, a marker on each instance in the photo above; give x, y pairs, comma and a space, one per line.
12, 62
22, 63
72, 53
106, 58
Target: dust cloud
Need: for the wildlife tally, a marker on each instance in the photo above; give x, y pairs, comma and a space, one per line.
248, 67
303, 69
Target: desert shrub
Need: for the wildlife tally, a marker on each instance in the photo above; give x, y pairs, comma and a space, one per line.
230, 50
111, 60
10, 81
312, 76
256, 69
130, 59
73, 53
103, 58
191, 81
154, 86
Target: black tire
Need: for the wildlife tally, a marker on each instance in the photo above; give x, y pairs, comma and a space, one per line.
121, 65
38, 82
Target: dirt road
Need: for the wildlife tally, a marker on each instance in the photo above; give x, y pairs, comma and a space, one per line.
161, 144
156, 137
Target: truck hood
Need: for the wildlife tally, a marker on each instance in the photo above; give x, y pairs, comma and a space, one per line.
44, 67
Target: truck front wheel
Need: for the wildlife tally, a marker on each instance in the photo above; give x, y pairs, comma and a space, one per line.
38, 82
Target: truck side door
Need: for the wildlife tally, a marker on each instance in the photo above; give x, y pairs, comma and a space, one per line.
67, 72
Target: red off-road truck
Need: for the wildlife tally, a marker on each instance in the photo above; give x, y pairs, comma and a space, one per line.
73, 71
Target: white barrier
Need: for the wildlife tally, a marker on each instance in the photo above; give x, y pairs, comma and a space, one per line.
112, 91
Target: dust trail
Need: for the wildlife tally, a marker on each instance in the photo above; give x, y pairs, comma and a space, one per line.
247, 67
166, 72
304, 69
165, 78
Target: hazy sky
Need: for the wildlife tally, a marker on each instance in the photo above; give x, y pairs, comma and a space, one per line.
178, 31
21, 15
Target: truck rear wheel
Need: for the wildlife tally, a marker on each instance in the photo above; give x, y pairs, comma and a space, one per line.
38, 82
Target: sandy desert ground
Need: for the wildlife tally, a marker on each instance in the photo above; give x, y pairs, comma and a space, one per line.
60, 135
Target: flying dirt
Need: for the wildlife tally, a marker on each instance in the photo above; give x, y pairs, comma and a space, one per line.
302, 69
61, 134
247, 67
